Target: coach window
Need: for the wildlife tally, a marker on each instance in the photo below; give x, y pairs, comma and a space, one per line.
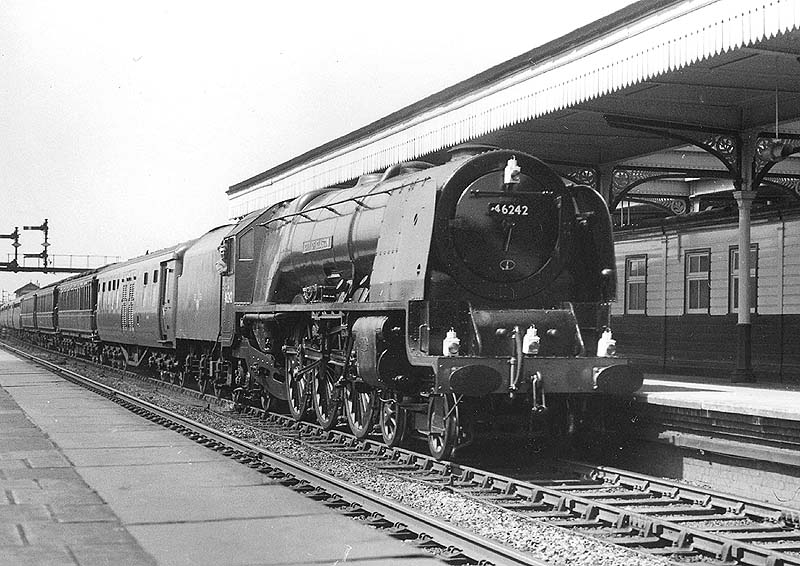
733, 279
636, 285
698, 282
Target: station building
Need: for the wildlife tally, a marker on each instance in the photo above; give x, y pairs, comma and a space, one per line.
685, 116
25, 289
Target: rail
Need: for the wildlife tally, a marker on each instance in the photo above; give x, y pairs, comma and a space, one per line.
451, 544
637, 511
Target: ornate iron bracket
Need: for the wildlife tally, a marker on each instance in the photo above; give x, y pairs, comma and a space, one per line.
790, 183
725, 145
625, 179
578, 174
761, 166
677, 205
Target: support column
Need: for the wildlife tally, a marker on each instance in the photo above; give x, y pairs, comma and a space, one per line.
744, 344
605, 183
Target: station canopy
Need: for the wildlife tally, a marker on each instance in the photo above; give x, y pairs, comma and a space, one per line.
666, 89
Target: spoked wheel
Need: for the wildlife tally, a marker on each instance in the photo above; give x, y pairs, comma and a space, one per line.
392, 419
326, 405
359, 408
296, 387
442, 426
323, 380
297, 384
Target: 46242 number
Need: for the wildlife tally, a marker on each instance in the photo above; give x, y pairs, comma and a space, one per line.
508, 209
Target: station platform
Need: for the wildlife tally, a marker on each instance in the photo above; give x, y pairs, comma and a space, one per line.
707, 394
85, 482
736, 438
758, 422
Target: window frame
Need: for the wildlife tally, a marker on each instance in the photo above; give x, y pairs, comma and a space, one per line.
635, 280
246, 252
733, 297
689, 277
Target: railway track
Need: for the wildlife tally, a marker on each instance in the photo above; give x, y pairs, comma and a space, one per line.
449, 544
646, 514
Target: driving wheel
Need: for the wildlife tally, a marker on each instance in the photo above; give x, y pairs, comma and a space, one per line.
323, 380
297, 384
323, 394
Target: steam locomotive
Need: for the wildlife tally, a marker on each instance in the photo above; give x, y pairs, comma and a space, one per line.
436, 299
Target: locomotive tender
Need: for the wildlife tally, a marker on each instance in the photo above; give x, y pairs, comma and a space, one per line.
425, 298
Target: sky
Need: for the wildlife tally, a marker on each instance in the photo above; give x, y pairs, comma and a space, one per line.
124, 123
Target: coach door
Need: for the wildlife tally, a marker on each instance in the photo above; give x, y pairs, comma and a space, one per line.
167, 300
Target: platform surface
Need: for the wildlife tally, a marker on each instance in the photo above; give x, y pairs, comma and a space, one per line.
85, 482
714, 394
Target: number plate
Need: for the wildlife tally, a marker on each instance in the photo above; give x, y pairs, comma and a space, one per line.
508, 209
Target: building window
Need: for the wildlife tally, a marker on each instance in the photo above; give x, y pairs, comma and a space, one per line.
636, 285
698, 282
145, 278
733, 279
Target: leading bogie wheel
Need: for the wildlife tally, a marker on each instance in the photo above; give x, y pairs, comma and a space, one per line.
359, 408
442, 425
392, 419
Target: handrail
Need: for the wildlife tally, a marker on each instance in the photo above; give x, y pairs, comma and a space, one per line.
357, 199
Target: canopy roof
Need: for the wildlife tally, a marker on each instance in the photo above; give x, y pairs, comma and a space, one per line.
727, 65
